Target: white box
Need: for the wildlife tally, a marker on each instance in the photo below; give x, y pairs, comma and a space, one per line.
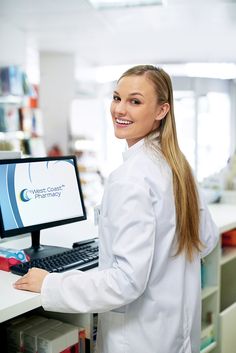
30, 335
15, 332
58, 339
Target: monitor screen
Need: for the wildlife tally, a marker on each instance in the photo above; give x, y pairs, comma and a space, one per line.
38, 193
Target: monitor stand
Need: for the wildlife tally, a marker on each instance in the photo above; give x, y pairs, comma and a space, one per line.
37, 250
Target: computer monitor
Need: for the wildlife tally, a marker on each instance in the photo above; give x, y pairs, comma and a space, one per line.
39, 193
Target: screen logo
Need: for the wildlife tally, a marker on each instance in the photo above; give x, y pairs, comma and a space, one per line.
26, 195
37, 194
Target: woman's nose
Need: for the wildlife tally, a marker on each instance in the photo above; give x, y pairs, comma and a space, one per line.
120, 108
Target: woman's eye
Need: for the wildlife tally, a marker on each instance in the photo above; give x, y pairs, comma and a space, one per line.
135, 101
116, 98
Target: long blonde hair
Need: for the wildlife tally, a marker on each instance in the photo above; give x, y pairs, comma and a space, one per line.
184, 186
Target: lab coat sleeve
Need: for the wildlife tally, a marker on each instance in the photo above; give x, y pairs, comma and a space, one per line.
130, 219
208, 230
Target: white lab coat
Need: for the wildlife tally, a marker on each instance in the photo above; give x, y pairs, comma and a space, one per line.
149, 300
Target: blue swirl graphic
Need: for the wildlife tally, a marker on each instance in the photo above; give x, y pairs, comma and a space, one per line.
12, 195
24, 196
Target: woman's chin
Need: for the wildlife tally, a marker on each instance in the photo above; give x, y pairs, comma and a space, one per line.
119, 135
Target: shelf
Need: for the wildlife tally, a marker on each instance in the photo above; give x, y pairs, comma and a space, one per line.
207, 291
11, 99
228, 254
14, 135
209, 348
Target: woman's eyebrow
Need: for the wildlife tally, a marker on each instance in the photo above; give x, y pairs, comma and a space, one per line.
131, 94
136, 93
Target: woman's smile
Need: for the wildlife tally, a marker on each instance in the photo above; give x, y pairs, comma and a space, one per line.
122, 122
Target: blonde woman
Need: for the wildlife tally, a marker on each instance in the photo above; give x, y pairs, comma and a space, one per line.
154, 228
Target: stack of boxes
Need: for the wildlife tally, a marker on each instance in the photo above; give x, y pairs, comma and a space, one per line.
16, 329
63, 338
37, 334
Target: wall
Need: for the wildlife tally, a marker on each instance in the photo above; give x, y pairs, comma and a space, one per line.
13, 46
233, 116
56, 94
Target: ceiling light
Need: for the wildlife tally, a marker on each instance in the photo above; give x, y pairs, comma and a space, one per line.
224, 71
111, 4
211, 70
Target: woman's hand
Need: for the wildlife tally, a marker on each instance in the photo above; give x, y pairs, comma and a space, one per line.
32, 280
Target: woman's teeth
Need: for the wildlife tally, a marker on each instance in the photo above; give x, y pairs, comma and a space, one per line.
126, 122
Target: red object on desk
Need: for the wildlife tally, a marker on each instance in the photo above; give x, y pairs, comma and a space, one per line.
6, 263
229, 238
10, 257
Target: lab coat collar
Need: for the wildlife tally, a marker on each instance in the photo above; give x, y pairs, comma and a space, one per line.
132, 150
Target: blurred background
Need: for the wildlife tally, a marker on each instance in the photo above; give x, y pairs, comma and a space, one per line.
59, 61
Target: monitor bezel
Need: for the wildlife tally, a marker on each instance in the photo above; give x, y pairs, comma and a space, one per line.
40, 226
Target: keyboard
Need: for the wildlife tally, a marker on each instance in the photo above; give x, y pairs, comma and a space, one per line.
83, 256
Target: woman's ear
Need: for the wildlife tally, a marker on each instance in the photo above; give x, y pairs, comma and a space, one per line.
162, 111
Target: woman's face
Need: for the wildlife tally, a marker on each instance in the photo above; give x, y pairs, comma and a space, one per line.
134, 109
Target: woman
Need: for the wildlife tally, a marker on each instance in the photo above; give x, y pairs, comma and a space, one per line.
153, 228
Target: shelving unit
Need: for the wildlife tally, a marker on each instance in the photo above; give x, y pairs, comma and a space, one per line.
27, 135
222, 267
85, 321
90, 176
206, 292
210, 301
20, 117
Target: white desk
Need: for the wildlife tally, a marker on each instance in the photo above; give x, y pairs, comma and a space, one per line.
15, 302
224, 216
